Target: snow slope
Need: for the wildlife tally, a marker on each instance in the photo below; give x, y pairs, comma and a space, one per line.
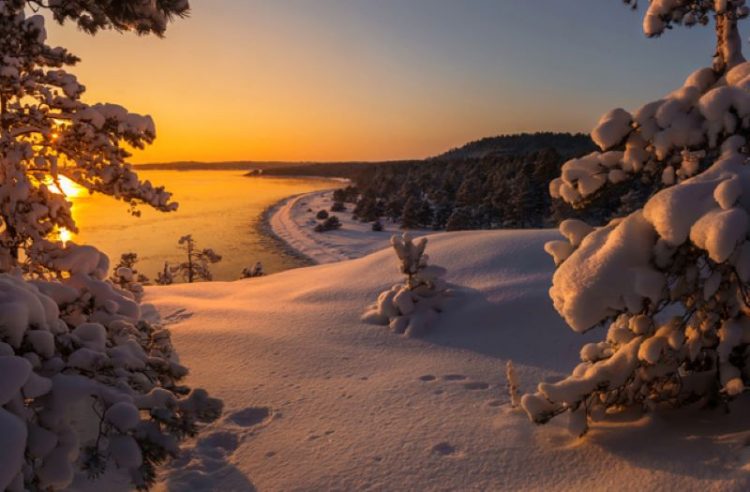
316, 400
293, 221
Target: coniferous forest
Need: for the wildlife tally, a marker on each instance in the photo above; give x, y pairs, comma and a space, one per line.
492, 183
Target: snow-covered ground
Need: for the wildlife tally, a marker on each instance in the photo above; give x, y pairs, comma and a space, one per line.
293, 221
317, 400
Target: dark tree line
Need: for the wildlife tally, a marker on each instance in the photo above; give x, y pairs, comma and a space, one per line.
497, 190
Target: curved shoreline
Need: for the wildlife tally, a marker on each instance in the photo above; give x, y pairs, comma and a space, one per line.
265, 228
290, 224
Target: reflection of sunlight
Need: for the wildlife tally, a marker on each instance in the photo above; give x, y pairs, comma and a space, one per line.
67, 187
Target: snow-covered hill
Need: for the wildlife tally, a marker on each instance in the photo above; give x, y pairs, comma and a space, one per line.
316, 400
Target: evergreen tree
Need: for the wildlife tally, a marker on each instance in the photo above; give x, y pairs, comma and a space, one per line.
410, 213
669, 280
88, 384
460, 220
425, 214
411, 308
197, 261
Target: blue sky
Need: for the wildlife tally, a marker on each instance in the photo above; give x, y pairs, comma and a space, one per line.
379, 79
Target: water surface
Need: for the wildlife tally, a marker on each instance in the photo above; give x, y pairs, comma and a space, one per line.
221, 209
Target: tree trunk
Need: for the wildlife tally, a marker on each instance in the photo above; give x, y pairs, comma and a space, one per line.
728, 43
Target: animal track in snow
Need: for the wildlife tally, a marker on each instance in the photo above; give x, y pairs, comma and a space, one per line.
427, 377
454, 377
251, 416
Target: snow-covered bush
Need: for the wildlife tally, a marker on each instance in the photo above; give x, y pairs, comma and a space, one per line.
330, 224
410, 307
86, 383
254, 271
125, 276
197, 261
670, 280
165, 276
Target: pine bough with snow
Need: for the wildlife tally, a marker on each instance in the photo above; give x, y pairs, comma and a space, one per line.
411, 307
86, 381
669, 281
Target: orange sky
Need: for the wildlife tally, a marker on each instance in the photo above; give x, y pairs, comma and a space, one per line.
370, 80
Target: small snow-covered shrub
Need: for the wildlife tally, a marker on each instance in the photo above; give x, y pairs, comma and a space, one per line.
126, 277
254, 271
377, 226
411, 307
330, 224
321, 215
338, 207
165, 276
86, 383
668, 281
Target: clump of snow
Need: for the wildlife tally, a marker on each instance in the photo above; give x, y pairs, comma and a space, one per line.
612, 128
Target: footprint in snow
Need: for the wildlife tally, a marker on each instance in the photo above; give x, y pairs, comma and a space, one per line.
444, 449
251, 416
427, 377
476, 385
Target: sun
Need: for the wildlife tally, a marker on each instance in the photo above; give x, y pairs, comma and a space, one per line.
64, 235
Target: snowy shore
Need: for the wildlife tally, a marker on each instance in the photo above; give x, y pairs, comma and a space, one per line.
293, 219
317, 400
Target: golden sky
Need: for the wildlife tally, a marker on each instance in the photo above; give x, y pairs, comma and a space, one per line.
373, 80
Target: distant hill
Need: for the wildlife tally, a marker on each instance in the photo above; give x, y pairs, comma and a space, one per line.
566, 144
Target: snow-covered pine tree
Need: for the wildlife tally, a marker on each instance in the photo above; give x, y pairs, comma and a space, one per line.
85, 381
670, 280
126, 277
197, 261
47, 131
410, 307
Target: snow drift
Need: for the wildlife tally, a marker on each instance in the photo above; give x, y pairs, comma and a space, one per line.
317, 400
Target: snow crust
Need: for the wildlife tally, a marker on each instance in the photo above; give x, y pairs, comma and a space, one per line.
317, 400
